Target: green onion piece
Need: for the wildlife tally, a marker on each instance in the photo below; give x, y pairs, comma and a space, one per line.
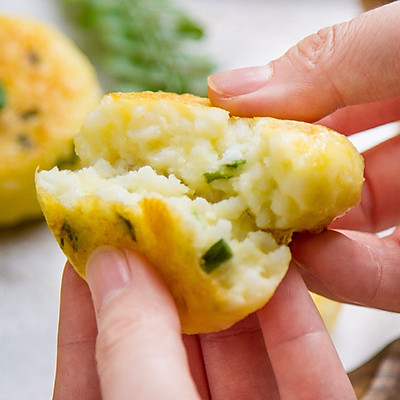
29, 114
2, 97
235, 164
130, 227
25, 141
225, 173
217, 254
67, 232
212, 176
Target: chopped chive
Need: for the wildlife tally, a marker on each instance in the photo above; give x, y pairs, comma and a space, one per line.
25, 141
225, 172
196, 214
29, 114
130, 227
212, 176
2, 97
67, 232
235, 164
33, 57
217, 254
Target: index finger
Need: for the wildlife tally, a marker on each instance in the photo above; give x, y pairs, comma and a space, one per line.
76, 375
303, 357
356, 62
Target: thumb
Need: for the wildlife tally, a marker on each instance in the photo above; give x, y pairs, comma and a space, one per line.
351, 63
139, 341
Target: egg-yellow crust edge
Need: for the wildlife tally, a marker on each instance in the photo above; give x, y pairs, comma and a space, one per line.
158, 232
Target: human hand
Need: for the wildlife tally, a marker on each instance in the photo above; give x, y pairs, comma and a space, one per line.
137, 360
129, 346
346, 77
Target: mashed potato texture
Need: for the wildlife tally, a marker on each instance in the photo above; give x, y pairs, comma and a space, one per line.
212, 200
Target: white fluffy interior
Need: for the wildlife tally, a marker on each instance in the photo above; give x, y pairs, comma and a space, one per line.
119, 143
258, 263
280, 182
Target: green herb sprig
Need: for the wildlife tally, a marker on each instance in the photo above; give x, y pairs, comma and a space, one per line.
141, 45
2, 97
217, 254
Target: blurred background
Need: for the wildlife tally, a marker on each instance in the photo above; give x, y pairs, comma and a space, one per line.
169, 45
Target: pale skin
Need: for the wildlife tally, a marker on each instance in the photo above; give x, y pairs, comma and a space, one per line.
126, 343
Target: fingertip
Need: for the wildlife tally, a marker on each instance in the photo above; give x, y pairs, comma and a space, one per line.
240, 81
139, 337
110, 271
240, 91
272, 90
306, 246
107, 272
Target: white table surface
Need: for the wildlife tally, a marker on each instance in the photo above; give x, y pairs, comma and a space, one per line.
240, 33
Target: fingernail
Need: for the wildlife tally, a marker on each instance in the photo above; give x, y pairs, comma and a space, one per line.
240, 81
107, 273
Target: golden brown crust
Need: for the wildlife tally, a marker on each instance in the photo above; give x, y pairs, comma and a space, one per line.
148, 96
299, 175
161, 235
49, 87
